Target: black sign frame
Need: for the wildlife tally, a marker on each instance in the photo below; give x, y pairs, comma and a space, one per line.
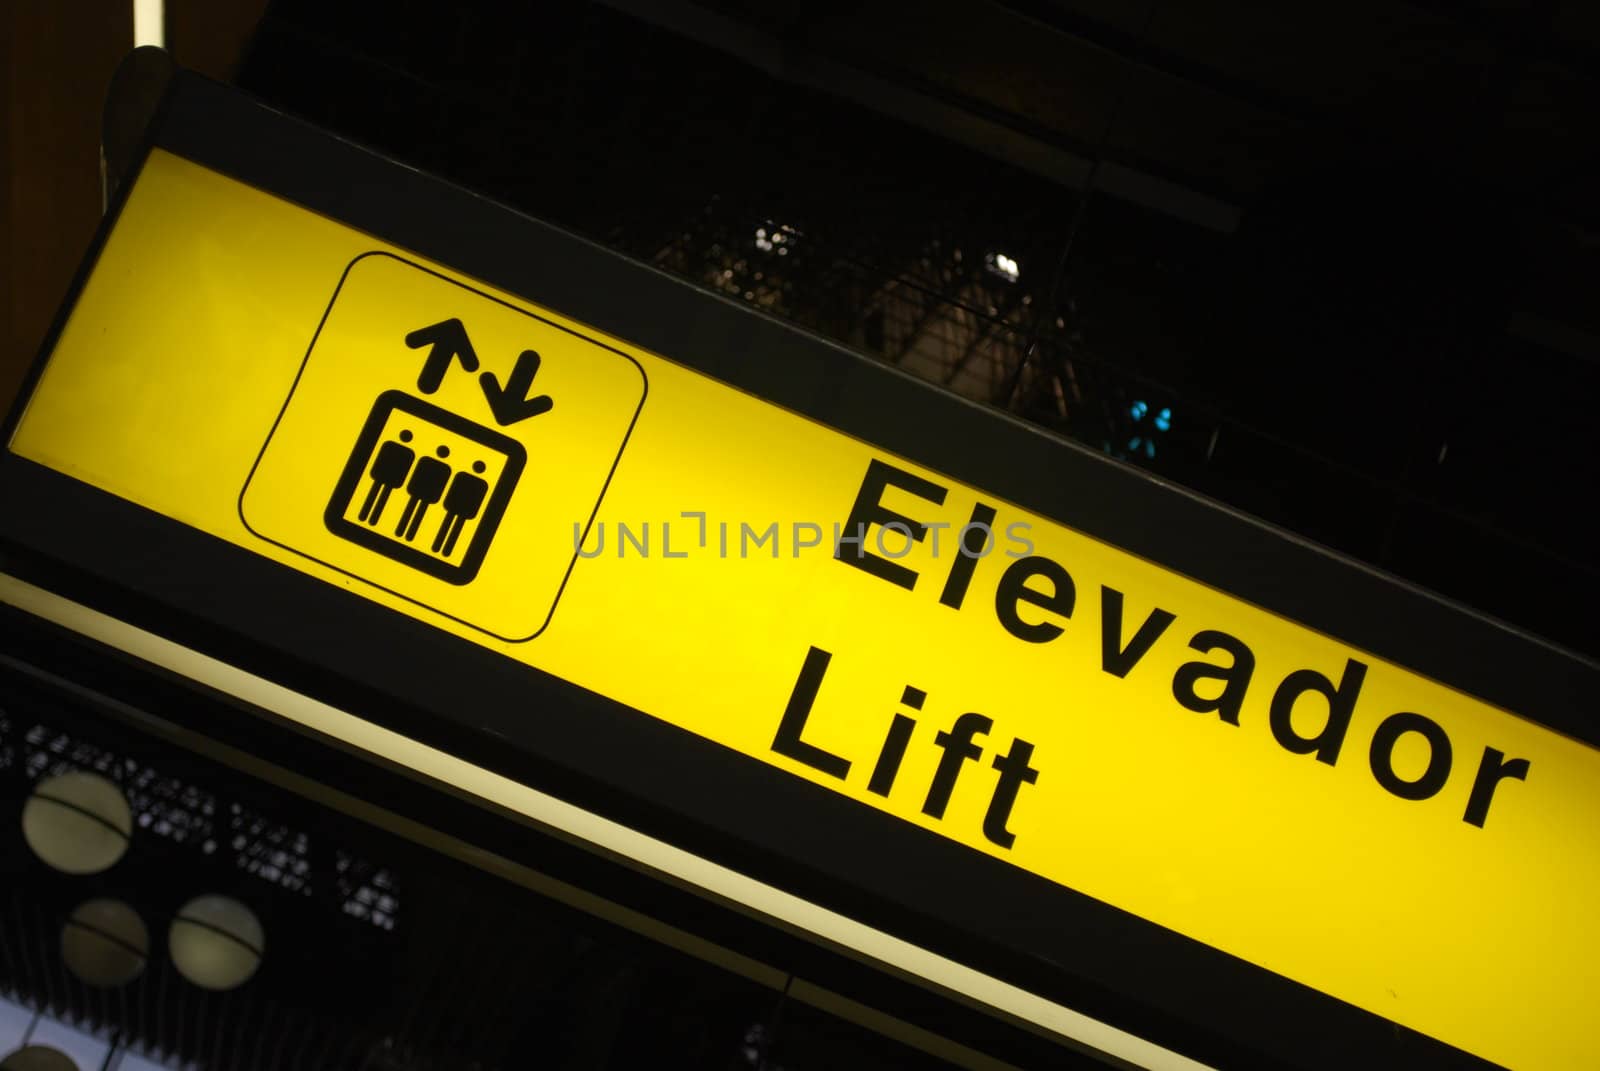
347, 651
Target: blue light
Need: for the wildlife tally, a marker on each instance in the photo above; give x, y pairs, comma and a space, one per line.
1133, 443
1164, 419
1138, 410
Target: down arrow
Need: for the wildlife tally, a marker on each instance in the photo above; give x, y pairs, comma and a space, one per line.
511, 402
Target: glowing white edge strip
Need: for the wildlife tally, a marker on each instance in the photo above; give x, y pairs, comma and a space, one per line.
149, 23
602, 832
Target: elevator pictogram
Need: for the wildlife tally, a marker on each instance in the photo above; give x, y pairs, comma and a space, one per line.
445, 444
447, 476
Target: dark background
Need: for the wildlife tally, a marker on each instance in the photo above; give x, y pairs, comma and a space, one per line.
1349, 246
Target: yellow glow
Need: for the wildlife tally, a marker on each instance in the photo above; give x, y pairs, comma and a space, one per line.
187, 342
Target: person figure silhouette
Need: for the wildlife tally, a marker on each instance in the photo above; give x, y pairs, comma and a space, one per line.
426, 485
389, 469
461, 504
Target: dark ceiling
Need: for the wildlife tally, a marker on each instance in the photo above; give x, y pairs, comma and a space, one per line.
1353, 246
1235, 96
1489, 106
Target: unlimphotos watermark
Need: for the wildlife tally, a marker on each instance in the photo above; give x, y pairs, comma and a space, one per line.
692, 532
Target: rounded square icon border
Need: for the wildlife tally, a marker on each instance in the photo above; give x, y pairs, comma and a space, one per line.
644, 393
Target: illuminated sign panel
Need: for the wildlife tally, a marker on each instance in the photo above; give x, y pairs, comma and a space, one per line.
483, 465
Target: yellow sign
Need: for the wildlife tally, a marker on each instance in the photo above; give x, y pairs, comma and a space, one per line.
853, 618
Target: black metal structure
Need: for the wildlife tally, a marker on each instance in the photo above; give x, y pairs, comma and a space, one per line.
421, 959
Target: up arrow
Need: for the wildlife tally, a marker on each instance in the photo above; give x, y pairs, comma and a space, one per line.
449, 341
511, 402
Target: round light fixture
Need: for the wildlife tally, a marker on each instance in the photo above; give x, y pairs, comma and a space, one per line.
38, 1058
216, 942
105, 943
78, 823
